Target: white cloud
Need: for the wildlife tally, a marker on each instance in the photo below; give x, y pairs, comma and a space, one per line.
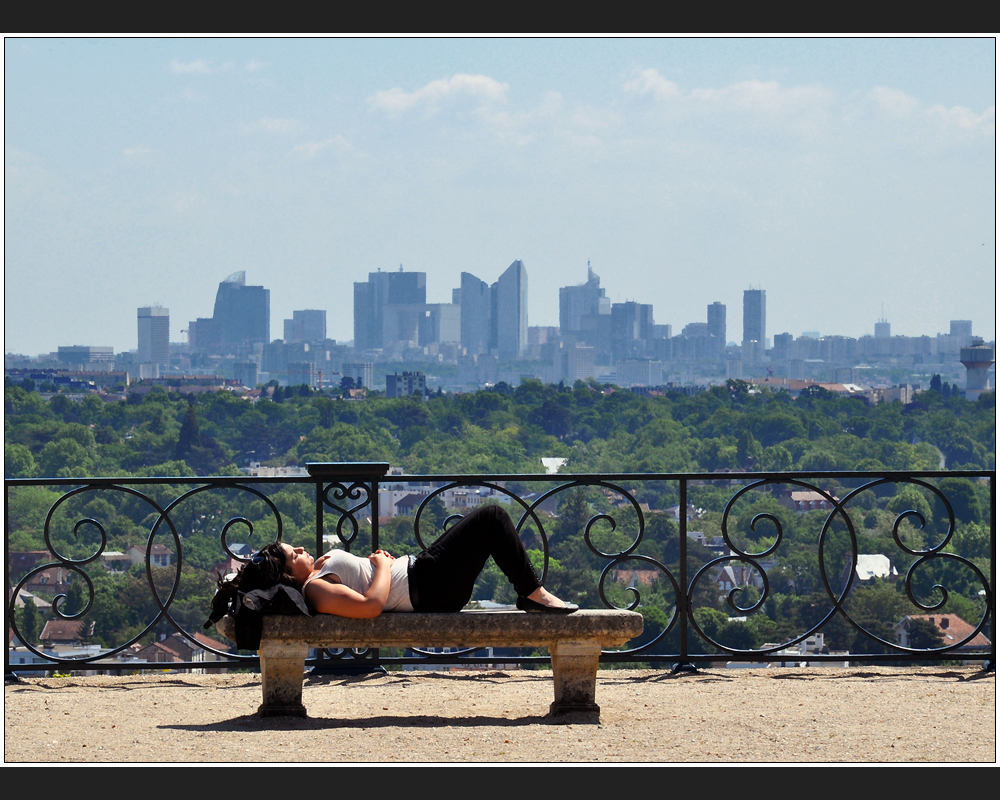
763, 97
894, 102
137, 150
197, 67
965, 118
763, 103
753, 96
938, 122
430, 97
649, 81
253, 65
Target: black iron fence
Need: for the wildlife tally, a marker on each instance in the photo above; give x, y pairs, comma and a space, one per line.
110, 574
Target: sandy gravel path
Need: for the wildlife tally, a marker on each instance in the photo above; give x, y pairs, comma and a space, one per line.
929, 714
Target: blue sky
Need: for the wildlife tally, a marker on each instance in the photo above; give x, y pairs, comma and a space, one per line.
840, 175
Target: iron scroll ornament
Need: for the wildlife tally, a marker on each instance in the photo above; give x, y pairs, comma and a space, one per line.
358, 490
162, 603
839, 598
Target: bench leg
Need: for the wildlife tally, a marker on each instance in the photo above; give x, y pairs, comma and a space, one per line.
574, 670
281, 669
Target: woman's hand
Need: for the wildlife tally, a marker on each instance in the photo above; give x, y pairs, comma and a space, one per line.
335, 598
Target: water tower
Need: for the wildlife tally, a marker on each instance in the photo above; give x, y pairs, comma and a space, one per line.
977, 359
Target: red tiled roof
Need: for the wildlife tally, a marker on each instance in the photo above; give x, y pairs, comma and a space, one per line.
954, 629
66, 630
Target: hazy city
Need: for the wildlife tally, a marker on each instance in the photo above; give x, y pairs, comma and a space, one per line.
402, 344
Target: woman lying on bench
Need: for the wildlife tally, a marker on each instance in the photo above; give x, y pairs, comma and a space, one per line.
441, 578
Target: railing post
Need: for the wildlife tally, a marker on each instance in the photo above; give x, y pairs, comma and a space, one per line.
348, 475
682, 600
992, 663
320, 527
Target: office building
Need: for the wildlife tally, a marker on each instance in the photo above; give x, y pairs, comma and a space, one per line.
473, 296
639, 372
754, 315
361, 372
717, 321
306, 326
404, 385
241, 319
577, 302
81, 356
631, 329
754, 325
246, 373
242, 313
962, 328
509, 305
377, 321
440, 323
154, 335
576, 363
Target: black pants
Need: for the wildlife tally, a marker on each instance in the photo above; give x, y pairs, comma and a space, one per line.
443, 576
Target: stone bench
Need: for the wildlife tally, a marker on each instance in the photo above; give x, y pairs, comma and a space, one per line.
574, 642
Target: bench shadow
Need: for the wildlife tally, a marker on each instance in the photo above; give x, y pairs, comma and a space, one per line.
258, 723
402, 678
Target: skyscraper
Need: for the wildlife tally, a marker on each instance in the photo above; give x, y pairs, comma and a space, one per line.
154, 335
509, 300
961, 327
754, 325
373, 302
306, 326
474, 298
717, 321
242, 313
576, 302
631, 328
754, 315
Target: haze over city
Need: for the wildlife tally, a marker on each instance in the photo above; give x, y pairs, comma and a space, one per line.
851, 179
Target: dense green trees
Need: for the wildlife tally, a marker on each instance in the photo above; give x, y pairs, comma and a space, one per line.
507, 431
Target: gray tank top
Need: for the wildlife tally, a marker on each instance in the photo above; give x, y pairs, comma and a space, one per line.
357, 573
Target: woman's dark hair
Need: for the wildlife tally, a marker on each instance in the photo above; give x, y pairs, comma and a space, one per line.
264, 570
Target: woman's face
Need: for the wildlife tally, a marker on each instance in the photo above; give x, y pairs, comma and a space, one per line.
298, 563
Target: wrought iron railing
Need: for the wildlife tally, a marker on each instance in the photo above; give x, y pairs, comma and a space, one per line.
785, 554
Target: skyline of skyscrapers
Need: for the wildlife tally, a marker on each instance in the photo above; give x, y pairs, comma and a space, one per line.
391, 311
485, 329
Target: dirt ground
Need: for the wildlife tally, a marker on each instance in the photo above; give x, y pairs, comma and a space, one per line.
928, 714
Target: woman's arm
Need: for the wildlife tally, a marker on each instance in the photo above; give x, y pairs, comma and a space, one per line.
335, 598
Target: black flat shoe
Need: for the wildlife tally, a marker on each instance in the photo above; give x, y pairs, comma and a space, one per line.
524, 604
